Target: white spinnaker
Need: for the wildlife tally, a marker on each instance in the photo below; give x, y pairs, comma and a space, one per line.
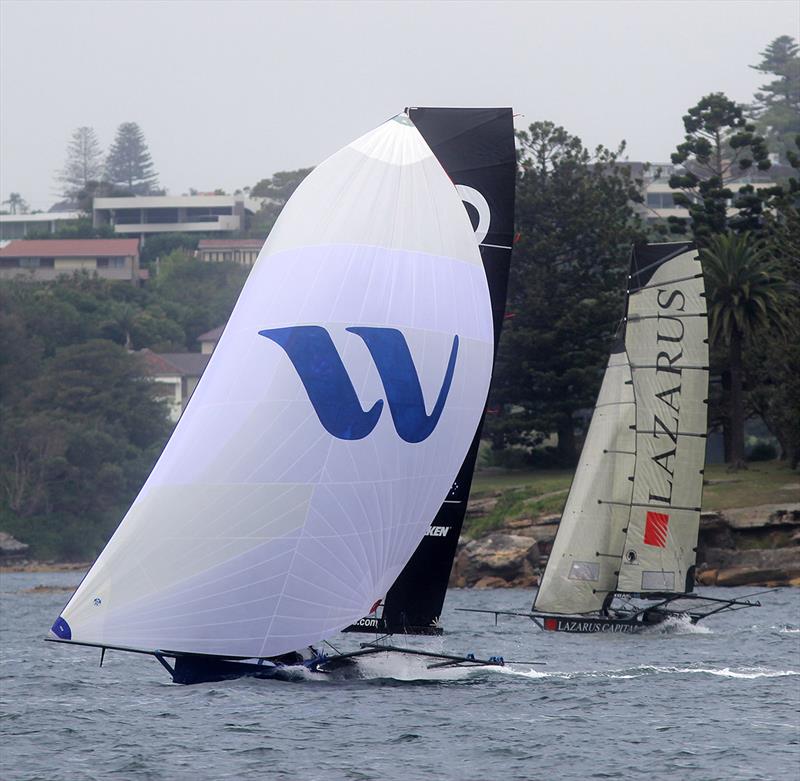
667, 344
582, 568
258, 532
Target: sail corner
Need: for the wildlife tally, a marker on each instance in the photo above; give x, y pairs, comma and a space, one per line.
61, 629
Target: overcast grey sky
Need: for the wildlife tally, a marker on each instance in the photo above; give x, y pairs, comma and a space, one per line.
229, 92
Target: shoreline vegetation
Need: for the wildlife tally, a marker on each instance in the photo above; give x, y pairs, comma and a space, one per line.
749, 530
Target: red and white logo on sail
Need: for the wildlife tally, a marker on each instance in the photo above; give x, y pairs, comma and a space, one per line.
656, 526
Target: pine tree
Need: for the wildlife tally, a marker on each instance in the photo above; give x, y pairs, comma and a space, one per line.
720, 145
84, 163
129, 164
566, 288
777, 105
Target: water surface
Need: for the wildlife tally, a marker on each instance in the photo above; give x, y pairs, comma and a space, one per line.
719, 702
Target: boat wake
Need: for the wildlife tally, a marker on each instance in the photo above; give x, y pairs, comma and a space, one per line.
727, 672
677, 625
383, 668
400, 667
640, 671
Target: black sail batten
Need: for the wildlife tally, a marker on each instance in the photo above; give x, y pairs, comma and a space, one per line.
475, 146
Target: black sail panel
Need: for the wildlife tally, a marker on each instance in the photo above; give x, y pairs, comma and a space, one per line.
476, 148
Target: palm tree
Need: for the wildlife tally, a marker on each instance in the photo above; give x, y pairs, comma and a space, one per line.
16, 204
747, 297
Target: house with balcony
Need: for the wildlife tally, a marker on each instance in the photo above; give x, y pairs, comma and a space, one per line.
44, 260
148, 214
659, 204
242, 251
20, 226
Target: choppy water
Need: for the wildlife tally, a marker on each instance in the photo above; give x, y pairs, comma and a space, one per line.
685, 703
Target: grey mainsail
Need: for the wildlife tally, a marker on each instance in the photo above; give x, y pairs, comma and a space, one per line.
667, 343
631, 519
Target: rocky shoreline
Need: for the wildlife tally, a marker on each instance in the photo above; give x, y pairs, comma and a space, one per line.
752, 546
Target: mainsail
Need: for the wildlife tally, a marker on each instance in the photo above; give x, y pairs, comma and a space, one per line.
327, 429
667, 343
631, 519
476, 148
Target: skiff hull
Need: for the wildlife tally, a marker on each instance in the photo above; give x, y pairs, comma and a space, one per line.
600, 624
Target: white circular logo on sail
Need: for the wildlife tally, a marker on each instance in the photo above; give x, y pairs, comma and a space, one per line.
475, 199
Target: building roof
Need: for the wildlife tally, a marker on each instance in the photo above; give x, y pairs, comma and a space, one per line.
184, 364
69, 248
176, 202
211, 336
230, 244
41, 217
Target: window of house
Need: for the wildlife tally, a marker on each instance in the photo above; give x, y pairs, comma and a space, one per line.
30, 262
660, 200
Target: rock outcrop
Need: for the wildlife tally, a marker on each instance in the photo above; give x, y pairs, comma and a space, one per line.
748, 546
751, 546
497, 560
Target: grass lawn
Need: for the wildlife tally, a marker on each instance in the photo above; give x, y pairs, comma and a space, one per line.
763, 482
529, 493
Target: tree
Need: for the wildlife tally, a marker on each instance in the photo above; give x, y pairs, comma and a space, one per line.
747, 297
161, 245
84, 163
777, 105
198, 295
76, 445
719, 146
16, 204
278, 189
773, 365
576, 225
129, 163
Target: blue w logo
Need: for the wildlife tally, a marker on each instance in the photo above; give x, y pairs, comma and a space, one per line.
314, 357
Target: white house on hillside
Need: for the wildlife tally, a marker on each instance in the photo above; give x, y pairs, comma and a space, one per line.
176, 376
148, 214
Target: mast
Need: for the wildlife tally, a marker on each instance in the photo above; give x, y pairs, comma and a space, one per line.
326, 430
667, 342
476, 148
